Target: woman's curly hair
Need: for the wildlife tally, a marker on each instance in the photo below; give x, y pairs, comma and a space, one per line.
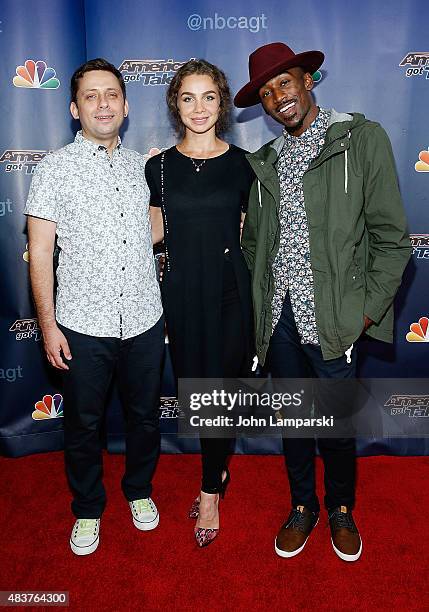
200, 66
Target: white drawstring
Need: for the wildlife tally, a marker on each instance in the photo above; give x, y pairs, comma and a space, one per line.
259, 194
348, 354
346, 166
346, 172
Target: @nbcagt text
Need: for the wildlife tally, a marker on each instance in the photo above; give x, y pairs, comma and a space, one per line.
253, 24
228, 401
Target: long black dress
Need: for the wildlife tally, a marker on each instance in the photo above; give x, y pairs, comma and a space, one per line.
206, 285
203, 217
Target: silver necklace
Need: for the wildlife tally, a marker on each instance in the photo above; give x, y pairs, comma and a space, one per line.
197, 166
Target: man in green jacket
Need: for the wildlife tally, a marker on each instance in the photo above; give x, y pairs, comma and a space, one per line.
326, 242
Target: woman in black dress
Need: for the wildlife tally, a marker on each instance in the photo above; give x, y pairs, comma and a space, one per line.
199, 190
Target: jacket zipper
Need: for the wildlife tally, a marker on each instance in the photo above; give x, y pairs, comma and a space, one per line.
256, 168
312, 167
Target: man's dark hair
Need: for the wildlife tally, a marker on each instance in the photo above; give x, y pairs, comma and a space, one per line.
95, 64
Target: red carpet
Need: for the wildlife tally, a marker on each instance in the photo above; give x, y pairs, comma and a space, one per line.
164, 570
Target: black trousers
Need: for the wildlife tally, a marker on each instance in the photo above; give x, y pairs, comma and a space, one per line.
137, 364
288, 358
215, 451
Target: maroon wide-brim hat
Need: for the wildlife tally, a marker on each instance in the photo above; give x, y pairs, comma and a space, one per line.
267, 62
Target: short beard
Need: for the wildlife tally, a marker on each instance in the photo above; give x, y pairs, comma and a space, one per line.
296, 127
299, 125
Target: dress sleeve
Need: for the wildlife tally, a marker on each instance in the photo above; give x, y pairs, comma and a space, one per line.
153, 183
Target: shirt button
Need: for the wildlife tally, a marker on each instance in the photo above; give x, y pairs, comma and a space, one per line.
117, 188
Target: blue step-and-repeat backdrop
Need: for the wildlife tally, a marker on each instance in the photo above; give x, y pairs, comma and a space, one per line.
377, 62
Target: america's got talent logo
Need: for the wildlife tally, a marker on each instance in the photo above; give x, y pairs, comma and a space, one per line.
416, 63
22, 160
26, 329
150, 71
413, 406
420, 244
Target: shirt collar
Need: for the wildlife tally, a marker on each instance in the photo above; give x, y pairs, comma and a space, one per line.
317, 128
93, 147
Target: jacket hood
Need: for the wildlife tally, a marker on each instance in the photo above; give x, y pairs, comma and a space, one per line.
339, 125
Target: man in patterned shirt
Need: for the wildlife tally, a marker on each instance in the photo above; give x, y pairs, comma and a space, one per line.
92, 196
325, 239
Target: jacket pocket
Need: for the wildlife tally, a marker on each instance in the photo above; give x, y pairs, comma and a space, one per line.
351, 304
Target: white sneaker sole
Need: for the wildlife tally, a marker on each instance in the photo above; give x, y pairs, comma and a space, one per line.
85, 550
146, 526
286, 554
345, 557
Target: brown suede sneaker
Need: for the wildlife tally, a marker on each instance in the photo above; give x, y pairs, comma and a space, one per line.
294, 533
345, 536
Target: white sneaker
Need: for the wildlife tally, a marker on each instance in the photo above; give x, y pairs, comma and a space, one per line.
145, 514
85, 536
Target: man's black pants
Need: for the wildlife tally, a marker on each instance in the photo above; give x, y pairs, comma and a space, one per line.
288, 358
137, 364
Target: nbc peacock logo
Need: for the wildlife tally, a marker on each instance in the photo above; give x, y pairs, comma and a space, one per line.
419, 332
36, 75
422, 165
50, 407
152, 152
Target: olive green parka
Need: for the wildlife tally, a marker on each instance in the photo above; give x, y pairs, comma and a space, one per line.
359, 244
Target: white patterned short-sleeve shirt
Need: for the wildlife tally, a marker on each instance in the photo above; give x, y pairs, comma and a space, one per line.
107, 284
